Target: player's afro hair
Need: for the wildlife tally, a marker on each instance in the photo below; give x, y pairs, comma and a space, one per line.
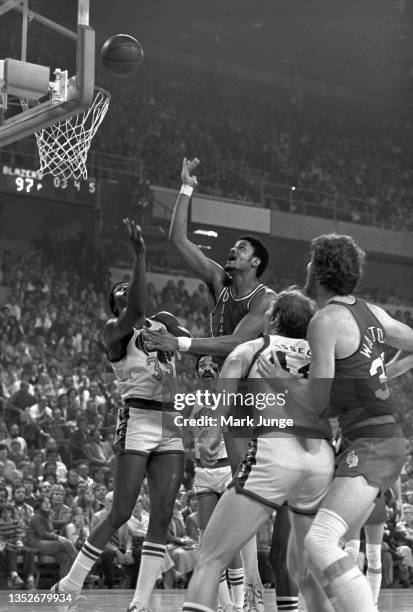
260, 250
338, 262
112, 302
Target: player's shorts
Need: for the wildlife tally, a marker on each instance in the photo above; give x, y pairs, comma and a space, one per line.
142, 431
379, 460
378, 514
290, 469
212, 480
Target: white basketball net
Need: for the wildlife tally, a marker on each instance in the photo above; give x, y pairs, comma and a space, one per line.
63, 147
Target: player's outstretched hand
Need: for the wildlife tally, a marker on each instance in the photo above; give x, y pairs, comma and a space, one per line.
135, 235
188, 166
268, 317
270, 367
160, 341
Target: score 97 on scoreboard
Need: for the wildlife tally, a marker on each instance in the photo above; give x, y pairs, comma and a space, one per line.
31, 183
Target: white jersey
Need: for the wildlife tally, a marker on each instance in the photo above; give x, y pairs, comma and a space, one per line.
293, 354
143, 374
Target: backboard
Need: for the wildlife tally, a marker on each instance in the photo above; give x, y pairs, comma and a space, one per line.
50, 97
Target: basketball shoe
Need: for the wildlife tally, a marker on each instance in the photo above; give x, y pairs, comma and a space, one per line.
253, 598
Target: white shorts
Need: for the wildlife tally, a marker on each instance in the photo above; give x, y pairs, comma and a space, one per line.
212, 480
279, 469
143, 431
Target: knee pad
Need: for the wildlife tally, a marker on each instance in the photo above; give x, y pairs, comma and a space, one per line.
322, 541
373, 554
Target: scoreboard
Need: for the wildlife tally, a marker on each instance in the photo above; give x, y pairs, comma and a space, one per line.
31, 183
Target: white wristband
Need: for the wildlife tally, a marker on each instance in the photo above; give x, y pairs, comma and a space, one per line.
186, 190
184, 343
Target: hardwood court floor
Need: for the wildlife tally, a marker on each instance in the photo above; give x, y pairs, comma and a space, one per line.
394, 600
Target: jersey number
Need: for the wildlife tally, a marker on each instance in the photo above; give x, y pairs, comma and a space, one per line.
282, 358
377, 369
159, 373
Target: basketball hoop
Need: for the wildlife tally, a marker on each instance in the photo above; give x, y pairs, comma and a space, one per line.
63, 147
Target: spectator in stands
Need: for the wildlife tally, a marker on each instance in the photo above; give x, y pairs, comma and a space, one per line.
192, 520
60, 514
84, 471
100, 491
30, 491
43, 537
15, 453
78, 440
180, 547
11, 535
86, 501
76, 530
9, 466
22, 509
18, 405
94, 450
118, 551
53, 458
14, 435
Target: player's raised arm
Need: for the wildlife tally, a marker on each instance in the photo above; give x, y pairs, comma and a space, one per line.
398, 367
203, 267
128, 302
249, 328
396, 334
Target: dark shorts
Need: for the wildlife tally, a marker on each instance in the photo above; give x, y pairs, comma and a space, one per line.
378, 514
379, 460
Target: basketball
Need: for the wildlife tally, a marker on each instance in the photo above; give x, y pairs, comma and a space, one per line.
122, 54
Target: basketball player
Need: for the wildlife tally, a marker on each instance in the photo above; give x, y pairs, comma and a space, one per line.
294, 464
211, 482
239, 304
347, 337
147, 440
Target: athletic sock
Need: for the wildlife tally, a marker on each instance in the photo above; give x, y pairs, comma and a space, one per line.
373, 554
250, 563
194, 607
236, 582
286, 603
223, 598
85, 560
151, 563
352, 592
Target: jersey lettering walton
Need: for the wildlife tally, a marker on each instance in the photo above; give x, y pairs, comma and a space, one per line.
360, 390
229, 310
143, 374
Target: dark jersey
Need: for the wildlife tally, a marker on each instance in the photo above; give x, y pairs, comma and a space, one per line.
359, 390
229, 310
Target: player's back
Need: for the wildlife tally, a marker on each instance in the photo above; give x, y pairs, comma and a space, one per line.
294, 356
360, 391
143, 374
